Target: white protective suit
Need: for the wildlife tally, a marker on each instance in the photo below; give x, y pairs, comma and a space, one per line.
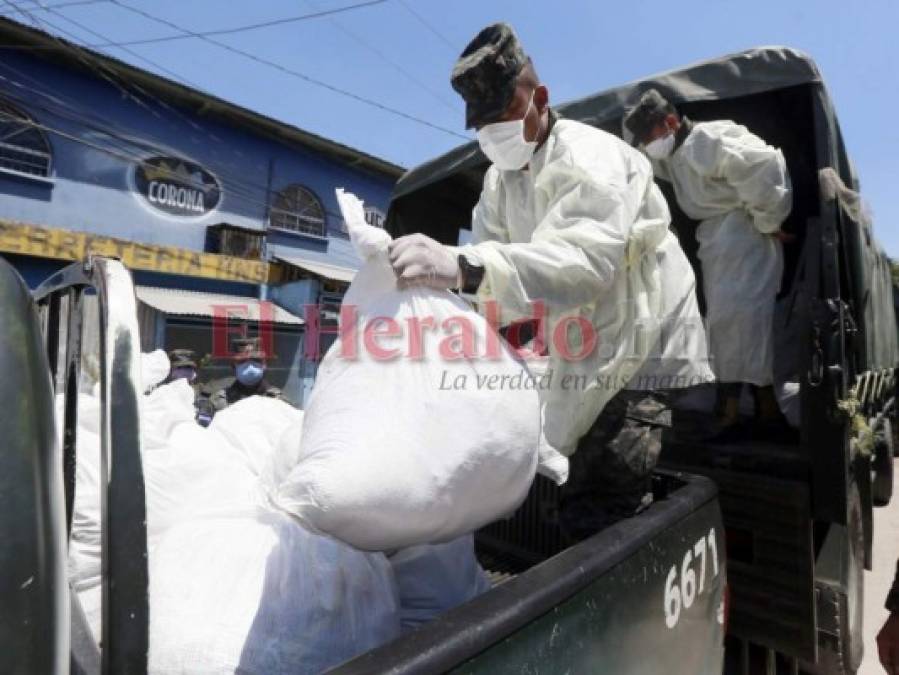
585, 229
738, 186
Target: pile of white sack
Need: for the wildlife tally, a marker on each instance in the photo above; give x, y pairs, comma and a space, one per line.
267, 531
236, 585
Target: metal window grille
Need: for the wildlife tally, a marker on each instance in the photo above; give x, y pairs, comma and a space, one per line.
23, 146
297, 209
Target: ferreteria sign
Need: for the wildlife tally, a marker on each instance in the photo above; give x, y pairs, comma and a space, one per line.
177, 187
60, 244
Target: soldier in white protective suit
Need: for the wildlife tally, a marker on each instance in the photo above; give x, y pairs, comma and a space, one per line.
738, 187
570, 217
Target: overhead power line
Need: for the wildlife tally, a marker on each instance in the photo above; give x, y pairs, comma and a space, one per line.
227, 47
294, 73
162, 103
122, 140
121, 145
133, 53
59, 5
238, 29
89, 58
427, 24
234, 185
183, 36
80, 54
358, 39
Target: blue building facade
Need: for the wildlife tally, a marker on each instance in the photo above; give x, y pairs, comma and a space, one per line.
91, 145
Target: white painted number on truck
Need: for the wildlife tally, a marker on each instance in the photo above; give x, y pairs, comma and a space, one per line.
684, 583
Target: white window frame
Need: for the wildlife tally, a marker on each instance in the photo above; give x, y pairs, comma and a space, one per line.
321, 230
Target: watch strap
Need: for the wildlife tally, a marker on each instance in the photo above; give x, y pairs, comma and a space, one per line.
472, 275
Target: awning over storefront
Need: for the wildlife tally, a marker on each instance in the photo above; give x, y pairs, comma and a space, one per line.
195, 303
324, 270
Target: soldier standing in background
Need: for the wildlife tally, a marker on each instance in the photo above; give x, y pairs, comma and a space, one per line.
184, 366
739, 188
249, 363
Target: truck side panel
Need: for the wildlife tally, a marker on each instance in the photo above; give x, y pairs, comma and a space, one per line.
34, 622
770, 552
591, 607
603, 627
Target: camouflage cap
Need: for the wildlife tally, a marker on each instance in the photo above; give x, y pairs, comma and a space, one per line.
651, 109
485, 73
183, 358
247, 348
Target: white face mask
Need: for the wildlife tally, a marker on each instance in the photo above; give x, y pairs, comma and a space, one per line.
504, 143
660, 148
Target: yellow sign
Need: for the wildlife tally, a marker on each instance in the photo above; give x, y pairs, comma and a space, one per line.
68, 245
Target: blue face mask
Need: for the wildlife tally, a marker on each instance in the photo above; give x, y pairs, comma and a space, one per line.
249, 373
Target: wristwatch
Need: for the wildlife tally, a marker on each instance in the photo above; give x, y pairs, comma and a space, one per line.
471, 275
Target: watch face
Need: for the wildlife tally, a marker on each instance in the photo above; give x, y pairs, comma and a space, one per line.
466, 264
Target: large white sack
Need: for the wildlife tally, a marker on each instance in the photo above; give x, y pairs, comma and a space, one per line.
188, 471
84, 544
254, 427
412, 450
197, 473
154, 368
433, 578
258, 594
162, 411
232, 582
88, 414
287, 454
167, 425
84, 564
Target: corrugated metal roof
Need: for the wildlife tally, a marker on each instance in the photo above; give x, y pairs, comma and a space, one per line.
195, 303
333, 272
339, 262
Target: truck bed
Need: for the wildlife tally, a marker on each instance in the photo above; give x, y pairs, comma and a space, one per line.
570, 610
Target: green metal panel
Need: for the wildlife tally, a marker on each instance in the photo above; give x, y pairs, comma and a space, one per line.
618, 625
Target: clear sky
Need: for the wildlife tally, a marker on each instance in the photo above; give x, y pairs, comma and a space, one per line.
400, 52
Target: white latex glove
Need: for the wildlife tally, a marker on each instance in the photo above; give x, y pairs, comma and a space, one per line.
418, 260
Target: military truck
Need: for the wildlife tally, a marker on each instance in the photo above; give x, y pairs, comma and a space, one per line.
644, 596
798, 515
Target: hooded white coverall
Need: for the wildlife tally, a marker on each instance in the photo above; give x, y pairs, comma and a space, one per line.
585, 229
739, 188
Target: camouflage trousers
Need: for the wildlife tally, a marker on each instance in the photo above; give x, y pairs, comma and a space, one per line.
611, 471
